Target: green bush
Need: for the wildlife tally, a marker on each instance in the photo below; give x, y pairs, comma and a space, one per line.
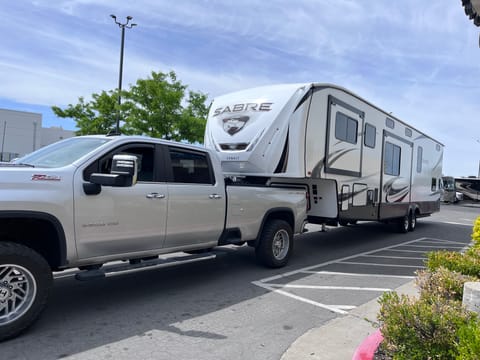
442, 283
421, 329
476, 233
466, 264
435, 326
468, 345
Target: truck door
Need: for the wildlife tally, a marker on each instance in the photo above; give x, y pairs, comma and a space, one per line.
196, 204
396, 175
122, 219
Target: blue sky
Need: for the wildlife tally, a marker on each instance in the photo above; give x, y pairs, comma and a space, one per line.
419, 60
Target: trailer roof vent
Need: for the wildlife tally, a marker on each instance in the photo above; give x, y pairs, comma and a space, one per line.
234, 147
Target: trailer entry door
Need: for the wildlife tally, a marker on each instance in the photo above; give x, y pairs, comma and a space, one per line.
344, 142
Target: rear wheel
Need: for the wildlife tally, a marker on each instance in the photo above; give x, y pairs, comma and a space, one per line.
275, 244
25, 281
412, 221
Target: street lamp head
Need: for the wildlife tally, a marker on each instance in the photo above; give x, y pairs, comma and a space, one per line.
113, 17
132, 25
129, 18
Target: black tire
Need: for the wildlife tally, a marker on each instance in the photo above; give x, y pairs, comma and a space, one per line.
403, 224
412, 221
25, 280
343, 222
275, 244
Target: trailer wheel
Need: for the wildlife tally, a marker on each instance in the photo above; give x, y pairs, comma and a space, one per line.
412, 221
275, 244
25, 281
403, 224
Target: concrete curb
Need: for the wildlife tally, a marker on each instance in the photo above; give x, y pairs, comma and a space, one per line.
339, 338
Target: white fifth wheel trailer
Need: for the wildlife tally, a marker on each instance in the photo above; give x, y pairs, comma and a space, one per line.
357, 161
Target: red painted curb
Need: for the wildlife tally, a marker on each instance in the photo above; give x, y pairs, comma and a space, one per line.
367, 348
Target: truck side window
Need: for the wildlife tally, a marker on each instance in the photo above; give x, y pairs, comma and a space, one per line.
190, 167
144, 156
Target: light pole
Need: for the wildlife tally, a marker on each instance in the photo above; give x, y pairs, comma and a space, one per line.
121, 26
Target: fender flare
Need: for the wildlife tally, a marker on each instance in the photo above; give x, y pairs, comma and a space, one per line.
61, 240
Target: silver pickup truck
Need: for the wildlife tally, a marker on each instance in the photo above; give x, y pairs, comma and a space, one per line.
89, 200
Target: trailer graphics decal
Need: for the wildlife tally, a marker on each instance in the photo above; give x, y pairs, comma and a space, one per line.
234, 124
394, 194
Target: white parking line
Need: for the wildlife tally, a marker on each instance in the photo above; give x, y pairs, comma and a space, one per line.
434, 246
328, 287
412, 251
376, 264
443, 241
339, 309
395, 257
361, 275
455, 223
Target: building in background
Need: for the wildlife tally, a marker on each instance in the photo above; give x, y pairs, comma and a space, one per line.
21, 132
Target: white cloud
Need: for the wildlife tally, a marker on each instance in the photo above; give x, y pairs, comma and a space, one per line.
417, 60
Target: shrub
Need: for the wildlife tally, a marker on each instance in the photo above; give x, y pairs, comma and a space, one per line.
476, 233
435, 326
421, 329
467, 264
468, 346
442, 283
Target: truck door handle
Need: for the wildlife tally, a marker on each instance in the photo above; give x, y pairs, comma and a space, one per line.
155, 195
214, 196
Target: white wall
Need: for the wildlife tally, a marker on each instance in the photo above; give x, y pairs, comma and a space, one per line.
21, 132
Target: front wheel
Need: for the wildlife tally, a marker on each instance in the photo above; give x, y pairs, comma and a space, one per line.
25, 281
275, 244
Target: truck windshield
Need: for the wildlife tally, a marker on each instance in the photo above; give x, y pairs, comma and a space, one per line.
61, 153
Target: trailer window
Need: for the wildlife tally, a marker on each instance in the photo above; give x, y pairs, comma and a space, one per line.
370, 135
419, 159
346, 128
390, 123
392, 159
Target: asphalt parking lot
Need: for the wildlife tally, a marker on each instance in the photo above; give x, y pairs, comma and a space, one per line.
226, 306
343, 284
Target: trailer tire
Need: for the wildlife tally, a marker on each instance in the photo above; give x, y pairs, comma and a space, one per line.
412, 221
25, 281
403, 224
275, 244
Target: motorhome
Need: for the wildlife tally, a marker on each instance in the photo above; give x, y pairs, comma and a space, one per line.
469, 187
357, 161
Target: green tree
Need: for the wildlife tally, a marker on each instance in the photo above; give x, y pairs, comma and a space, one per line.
97, 116
156, 106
